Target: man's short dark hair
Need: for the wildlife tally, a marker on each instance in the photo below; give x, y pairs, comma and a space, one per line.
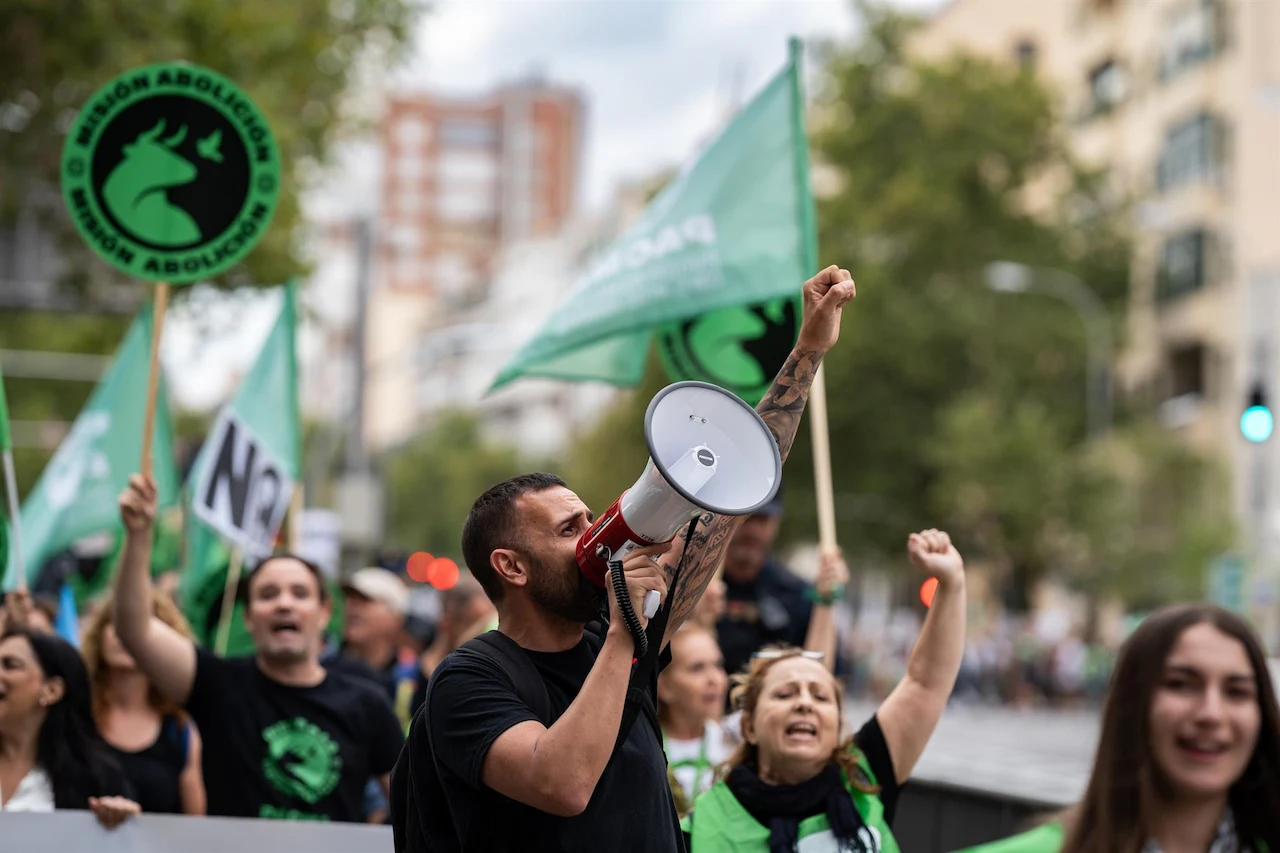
491, 524
247, 581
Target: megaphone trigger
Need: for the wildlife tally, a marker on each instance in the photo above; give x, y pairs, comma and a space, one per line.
652, 600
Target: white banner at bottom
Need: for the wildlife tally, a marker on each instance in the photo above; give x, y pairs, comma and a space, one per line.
80, 832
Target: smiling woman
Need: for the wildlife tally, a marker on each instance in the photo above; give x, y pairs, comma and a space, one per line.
1189, 756
51, 756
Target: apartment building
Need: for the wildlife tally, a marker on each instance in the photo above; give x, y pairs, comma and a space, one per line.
1181, 98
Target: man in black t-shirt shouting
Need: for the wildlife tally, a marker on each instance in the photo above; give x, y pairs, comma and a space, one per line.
283, 738
513, 781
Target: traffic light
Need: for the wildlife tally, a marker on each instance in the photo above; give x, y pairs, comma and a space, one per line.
1257, 422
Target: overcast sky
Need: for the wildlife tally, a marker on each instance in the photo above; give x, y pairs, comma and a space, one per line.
657, 76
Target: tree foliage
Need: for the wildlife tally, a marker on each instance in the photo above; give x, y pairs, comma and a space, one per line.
294, 59
433, 480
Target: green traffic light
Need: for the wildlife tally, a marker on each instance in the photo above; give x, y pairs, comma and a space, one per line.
1256, 424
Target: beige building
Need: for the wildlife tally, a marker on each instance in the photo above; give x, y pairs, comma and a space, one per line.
462, 181
1181, 98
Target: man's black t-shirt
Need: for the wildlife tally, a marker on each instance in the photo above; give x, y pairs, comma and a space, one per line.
773, 609
471, 704
276, 751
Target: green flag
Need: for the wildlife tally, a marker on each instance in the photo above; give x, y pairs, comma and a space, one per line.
733, 229
77, 493
241, 481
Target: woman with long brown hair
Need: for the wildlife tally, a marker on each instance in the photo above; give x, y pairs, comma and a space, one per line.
154, 741
1188, 758
691, 693
794, 783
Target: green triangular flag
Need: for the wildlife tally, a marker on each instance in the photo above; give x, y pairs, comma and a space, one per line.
734, 229
78, 491
266, 408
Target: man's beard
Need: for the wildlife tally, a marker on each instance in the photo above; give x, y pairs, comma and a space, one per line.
566, 594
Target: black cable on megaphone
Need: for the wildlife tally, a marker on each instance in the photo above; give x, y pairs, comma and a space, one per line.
619, 580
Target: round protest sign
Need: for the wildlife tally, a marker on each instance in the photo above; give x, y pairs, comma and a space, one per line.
170, 173
740, 348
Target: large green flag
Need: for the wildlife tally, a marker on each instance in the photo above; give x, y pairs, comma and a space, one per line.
77, 493
734, 229
243, 478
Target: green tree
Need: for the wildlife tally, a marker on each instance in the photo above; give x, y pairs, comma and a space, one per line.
433, 480
294, 59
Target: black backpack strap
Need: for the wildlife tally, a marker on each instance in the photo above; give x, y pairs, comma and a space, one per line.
639, 697
515, 662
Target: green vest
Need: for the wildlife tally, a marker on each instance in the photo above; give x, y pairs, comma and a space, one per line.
1043, 839
724, 826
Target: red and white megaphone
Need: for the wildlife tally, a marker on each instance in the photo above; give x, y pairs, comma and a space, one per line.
708, 451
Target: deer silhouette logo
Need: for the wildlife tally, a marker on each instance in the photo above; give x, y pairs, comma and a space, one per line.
134, 192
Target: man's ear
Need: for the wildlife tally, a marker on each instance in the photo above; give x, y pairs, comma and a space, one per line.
509, 566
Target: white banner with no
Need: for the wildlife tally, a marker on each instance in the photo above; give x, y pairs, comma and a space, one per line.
243, 491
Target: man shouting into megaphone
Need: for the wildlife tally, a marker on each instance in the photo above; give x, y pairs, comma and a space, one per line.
526, 738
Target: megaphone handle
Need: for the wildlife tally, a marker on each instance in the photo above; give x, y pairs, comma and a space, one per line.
652, 600
628, 613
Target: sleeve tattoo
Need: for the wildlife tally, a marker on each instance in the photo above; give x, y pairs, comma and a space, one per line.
780, 409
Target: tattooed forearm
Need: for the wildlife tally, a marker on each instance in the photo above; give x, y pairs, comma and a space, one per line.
780, 409
783, 404
706, 552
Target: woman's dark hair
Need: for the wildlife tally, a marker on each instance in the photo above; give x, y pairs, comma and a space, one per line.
1126, 784
69, 747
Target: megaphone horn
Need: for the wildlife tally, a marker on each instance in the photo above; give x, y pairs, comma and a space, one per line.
708, 452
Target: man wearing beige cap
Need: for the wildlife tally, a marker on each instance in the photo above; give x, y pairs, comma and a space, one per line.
375, 602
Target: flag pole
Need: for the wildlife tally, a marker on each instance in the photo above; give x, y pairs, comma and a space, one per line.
228, 602
11, 490
153, 380
819, 429
295, 519
15, 519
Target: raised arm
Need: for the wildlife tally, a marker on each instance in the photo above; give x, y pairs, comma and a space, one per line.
167, 658
824, 297
910, 713
833, 574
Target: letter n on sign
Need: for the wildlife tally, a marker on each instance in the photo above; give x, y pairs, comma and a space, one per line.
241, 491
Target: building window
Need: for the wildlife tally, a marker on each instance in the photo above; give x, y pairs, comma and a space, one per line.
1195, 33
1188, 261
1108, 87
466, 203
1024, 53
411, 132
1194, 150
468, 132
410, 201
1187, 371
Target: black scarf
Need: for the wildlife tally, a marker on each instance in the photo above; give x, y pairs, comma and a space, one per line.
782, 807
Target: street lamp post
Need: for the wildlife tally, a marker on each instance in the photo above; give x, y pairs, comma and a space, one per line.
1010, 277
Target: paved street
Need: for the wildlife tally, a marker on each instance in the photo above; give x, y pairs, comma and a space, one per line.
1036, 755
